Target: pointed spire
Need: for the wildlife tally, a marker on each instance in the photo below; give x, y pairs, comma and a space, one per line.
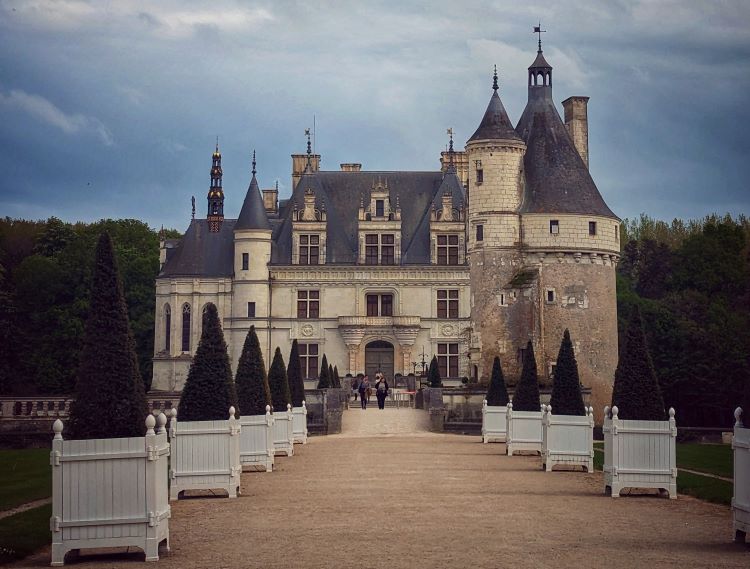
216, 152
494, 81
308, 166
254, 163
495, 123
451, 153
253, 213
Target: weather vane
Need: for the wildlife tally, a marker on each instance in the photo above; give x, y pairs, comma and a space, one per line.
538, 30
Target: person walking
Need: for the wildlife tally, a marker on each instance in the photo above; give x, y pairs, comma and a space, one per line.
381, 389
364, 387
354, 384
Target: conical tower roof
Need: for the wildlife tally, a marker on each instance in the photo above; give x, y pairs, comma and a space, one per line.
495, 123
253, 212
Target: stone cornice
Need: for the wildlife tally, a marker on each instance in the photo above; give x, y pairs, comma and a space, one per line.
396, 274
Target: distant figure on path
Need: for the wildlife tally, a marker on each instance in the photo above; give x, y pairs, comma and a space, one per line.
381, 389
364, 389
354, 384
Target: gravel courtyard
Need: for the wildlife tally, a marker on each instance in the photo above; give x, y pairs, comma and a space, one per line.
425, 500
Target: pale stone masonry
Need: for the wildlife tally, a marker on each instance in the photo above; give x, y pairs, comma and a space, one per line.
509, 241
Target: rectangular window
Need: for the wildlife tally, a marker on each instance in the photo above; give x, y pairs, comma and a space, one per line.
245, 261
592, 227
480, 232
520, 355
308, 360
380, 249
379, 208
480, 176
251, 310
447, 303
308, 304
379, 304
554, 226
448, 360
309, 249
371, 249
617, 233
447, 250
372, 305
550, 295
386, 305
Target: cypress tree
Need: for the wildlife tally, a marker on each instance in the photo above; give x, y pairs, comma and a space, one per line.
636, 391
324, 381
294, 376
331, 376
336, 378
433, 375
497, 394
110, 399
281, 396
526, 397
253, 392
566, 386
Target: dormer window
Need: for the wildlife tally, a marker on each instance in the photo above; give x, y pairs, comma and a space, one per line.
447, 250
309, 249
309, 231
379, 249
379, 208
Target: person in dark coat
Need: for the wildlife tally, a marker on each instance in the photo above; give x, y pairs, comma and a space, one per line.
364, 387
381, 389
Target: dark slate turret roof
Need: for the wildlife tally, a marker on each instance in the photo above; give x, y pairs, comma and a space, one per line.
540, 62
495, 123
557, 180
201, 252
253, 212
342, 191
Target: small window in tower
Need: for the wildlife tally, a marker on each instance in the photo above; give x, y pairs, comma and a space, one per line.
550, 295
379, 208
480, 176
617, 233
251, 310
554, 226
480, 232
245, 261
592, 227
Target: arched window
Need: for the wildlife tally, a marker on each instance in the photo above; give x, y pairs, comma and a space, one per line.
167, 327
186, 327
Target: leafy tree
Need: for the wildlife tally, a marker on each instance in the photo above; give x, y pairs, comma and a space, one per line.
636, 391
324, 380
209, 390
251, 381
110, 401
281, 395
336, 378
566, 387
497, 394
294, 376
433, 374
526, 396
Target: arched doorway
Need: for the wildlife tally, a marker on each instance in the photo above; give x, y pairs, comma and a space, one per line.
379, 357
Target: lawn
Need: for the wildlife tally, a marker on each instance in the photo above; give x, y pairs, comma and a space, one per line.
714, 459
22, 534
25, 475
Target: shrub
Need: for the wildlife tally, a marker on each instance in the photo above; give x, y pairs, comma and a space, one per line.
336, 378
433, 375
331, 376
110, 399
209, 390
526, 397
636, 391
253, 392
324, 380
566, 386
281, 395
497, 394
294, 376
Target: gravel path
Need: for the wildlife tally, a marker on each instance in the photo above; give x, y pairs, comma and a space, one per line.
433, 501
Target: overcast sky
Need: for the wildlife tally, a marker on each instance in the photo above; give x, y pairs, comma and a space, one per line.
111, 109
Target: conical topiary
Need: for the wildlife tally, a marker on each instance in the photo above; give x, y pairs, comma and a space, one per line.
497, 394
636, 391
324, 381
526, 397
331, 376
110, 400
336, 378
433, 375
566, 386
281, 395
209, 390
253, 393
294, 376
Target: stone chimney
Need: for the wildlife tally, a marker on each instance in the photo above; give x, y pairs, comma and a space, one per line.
271, 200
299, 161
577, 123
351, 167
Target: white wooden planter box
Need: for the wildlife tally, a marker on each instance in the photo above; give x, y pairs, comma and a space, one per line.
283, 433
568, 440
205, 455
639, 454
741, 497
524, 431
494, 423
299, 424
110, 492
256, 441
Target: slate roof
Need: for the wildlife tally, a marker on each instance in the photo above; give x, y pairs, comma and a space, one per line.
202, 253
253, 212
495, 123
540, 62
341, 192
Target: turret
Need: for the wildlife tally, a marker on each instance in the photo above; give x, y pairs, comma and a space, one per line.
215, 193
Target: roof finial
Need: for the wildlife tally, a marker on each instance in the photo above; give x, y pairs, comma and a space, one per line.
308, 167
254, 171
538, 30
277, 186
494, 80
451, 165
192, 201
217, 144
